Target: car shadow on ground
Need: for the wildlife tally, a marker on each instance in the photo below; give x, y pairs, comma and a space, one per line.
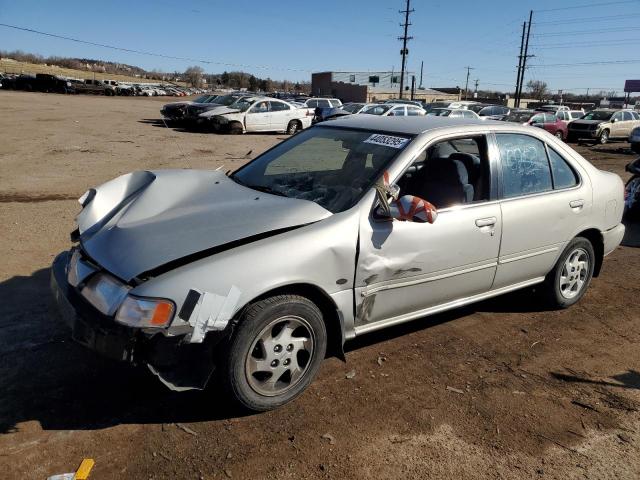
46, 377
181, 127
629, 379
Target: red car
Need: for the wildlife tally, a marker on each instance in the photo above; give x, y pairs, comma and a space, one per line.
545, 120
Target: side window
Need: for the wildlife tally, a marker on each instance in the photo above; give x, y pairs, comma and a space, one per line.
525, 168
563, 174
450, 172
324, 103
616, 117
260, 107
549, 118
562, 115
635, 115
538, 118
334, 103
468, 114
397, 112
627, 116
413, 111
279, 106
312, 103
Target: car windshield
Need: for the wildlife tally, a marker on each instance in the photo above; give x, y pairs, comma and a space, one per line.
478, 108
226, 100
377, 109
519, 117
352, 107
439, 112
329, 166
598, 115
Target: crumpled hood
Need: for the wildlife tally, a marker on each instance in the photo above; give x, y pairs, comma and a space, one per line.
219, 111
147, 219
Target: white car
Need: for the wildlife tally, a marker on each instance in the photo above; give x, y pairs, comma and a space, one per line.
568, 116
393, 110
453, 113
463, 105
259, 114
322, 103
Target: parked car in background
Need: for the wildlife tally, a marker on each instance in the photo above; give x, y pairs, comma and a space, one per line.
323, 114
463, 104
568, 116
634, 139
399, 101
603, 125
322, 102
193, 113
53, 83
452, 113
259, 114
392, 110
176, 110
97, 87
545, 120
259, 274
491, 112
433, 105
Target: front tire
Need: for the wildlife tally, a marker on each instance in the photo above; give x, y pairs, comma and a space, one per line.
604, 137
567, 283
275, 352
560, 135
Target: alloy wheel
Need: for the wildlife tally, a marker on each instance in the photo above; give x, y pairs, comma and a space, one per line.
280, 355
575, 272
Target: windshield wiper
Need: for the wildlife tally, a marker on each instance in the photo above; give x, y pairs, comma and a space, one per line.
260, 188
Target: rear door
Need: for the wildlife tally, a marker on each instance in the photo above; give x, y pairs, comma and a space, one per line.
545, 201
281, 115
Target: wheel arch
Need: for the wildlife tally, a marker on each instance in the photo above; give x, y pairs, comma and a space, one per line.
330, 312
597, 241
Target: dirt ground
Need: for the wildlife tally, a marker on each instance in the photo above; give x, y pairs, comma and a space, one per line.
496, 390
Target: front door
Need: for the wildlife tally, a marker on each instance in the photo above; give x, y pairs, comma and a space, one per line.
258, 117
409, 269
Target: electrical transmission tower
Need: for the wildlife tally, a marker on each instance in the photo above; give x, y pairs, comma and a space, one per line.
405, 38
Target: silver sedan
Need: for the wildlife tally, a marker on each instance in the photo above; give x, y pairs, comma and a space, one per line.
346, 228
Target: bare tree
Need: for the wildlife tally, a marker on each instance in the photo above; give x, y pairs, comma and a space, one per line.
537, 89
193, 76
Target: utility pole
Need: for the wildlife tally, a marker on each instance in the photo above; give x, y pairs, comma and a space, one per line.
525, 57
515, 95
413, 86
405, 38
466, 88
421, 70
476, 81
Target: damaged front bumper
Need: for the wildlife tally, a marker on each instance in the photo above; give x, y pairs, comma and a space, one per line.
179, 365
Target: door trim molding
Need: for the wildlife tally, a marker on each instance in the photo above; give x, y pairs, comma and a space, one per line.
361, 329
502, 261
432, 278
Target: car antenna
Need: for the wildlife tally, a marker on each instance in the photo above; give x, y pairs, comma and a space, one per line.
176, 140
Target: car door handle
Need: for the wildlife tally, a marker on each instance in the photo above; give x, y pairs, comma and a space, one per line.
576, 203
486, 222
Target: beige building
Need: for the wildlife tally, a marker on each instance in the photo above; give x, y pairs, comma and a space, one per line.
370, 87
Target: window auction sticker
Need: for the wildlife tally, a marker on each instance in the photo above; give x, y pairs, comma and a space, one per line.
387, 140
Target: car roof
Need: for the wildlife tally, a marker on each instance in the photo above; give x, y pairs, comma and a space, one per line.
406, 125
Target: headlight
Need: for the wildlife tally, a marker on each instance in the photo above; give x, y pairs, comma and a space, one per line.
145, 312
105, 293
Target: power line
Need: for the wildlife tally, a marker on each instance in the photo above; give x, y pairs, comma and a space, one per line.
152, 54
588, 5
589, 19
622, 41
603, 62
576, 32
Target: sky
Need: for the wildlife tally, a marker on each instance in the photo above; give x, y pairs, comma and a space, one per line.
287, 39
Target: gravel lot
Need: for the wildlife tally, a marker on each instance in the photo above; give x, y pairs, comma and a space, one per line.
496, 390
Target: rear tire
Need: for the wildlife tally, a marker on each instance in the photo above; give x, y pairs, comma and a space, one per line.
275, 352
559, 135
567, 283
293, 127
